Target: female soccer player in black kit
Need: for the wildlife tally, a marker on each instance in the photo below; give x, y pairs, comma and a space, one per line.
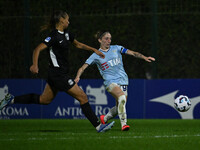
57, 44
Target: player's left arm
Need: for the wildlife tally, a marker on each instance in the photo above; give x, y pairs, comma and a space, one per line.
139, 55
80, 72
86, 47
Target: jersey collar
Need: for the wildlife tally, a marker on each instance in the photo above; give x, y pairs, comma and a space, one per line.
104, 50
61, 32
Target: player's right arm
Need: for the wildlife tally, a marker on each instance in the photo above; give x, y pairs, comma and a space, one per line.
80, 72
139, 55
34, 68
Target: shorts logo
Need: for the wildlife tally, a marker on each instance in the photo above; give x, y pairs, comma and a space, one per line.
70, 81
47, 39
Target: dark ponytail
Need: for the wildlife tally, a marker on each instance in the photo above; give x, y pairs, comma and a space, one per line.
54, 19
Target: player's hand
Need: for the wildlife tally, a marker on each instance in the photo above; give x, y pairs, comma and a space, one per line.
100, 54
149, 59
76, 79
34, 69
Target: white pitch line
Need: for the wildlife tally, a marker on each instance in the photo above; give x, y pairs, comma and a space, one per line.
156, 136
112, 137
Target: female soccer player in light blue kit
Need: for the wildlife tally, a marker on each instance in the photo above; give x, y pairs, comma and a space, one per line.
115, 78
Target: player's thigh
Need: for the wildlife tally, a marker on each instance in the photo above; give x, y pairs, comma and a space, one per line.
48, 94
116, 92
124, 88
78, 93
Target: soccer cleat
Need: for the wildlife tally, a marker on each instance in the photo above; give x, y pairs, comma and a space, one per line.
125, 128
102, 119
4, 102
106, 127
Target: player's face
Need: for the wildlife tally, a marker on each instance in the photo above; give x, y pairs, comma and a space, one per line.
65, 22
105, 41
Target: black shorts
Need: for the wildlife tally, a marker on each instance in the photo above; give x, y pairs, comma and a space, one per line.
59, 79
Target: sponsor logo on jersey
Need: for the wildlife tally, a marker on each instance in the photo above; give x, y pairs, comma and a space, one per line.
114, 62
104, 66
47, 39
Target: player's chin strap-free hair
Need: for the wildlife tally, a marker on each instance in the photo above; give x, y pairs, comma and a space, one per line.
100, 34
54, 19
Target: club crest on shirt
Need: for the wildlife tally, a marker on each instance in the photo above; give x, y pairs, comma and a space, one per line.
67, 36
114, 51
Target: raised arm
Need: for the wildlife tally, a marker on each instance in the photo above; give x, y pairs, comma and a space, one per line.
139, 55
34, 68
86, 47
80, 72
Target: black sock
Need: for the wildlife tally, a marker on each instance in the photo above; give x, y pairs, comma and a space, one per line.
88, 112
27, 99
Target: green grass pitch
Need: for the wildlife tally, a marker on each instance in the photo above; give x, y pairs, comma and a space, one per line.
69, 134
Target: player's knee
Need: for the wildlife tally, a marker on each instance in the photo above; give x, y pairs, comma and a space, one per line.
83, 98
45, 101
122, 99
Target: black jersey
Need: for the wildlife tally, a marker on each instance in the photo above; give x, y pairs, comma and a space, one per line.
58, 47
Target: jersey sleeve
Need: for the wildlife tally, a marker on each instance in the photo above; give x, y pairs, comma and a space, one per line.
50, 40
122, 49
71, 37
91, 60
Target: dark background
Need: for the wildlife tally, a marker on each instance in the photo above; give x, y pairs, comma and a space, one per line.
168, 30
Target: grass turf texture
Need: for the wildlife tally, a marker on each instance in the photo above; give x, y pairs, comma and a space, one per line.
79, 134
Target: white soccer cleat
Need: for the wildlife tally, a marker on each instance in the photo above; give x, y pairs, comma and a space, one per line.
106, 127
4, 102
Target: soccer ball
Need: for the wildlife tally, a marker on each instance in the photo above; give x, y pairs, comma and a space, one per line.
182, 103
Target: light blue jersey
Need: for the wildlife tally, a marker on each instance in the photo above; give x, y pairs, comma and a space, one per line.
111, 67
